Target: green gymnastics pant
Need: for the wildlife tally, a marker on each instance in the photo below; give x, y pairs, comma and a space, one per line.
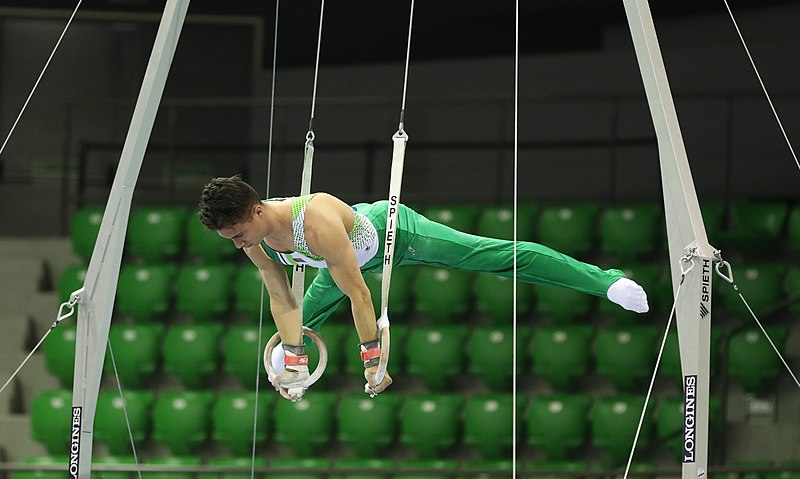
420, 241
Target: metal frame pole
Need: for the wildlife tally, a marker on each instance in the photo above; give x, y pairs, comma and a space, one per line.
96, 301
686, 234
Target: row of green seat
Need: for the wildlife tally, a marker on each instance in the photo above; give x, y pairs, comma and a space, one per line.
623, 230
153, 234
374, 468
439, 356
428, 424
295, 468
205, 291
629, 230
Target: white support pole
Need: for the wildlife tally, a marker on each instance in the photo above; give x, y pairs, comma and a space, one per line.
685, 234
97, 299
399, 139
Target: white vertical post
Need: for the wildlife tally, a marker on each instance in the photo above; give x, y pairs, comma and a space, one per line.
685, 234
97, 300
399, 139
392, 214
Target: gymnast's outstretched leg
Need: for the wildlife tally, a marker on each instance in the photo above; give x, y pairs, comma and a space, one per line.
436, 244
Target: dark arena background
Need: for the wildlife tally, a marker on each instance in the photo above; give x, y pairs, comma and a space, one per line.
185, 327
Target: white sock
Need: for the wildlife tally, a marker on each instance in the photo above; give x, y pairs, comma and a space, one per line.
628, 294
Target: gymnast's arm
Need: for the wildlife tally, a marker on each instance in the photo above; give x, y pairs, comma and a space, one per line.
281, 300
326, 234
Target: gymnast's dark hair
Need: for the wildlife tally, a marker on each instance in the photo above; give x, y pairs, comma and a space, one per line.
226, 201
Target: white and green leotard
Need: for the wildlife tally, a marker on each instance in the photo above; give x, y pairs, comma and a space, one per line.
363, 237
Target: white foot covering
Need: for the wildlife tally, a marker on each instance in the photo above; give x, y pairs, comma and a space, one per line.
628, 294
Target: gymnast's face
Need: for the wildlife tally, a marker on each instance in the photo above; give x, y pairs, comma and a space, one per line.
245, 233
241, 234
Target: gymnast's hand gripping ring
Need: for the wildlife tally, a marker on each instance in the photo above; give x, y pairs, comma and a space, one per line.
323, 356
384, 359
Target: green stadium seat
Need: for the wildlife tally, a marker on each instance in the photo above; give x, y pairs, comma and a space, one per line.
182, 420
631, 231
242, 355
490, 353
536, 469
50, 461
334, 334
205, 244
113, 461
640, 470
353, 364
155, 233
494, 297
316, 468
489, 424
84, 227
51, 420
405, 469
750, 469
400, 291
767, 216
232, 416
490, 467
714, 219
791, 288
561, 354
563, 305
368, 424
429, 423
144, 291
756, 227
460, 217
173, 461
558, 424
110, 426
498, 222
204, 291
789, 473
614, 420
59, 353
626, 354
247, 291
353, 464
570, 228
760, 283
751, 359
793, 230
243, 462
669, 422
137, 351
306, 425
191, 352
443, 294
435, 354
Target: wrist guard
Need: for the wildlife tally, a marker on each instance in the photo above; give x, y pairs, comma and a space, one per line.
370, 353
295, 358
